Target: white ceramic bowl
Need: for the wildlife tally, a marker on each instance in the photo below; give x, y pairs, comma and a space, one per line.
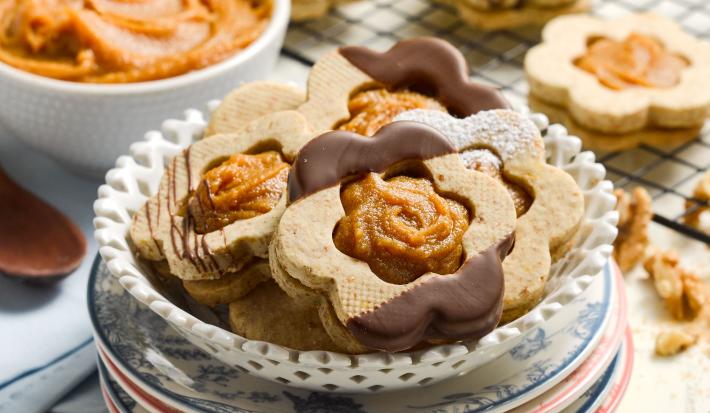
137, 176
87, 126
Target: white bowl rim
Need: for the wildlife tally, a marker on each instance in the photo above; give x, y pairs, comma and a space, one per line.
181, 319
280, 16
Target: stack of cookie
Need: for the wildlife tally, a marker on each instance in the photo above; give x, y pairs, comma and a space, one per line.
394, 205
507, 14
617, 84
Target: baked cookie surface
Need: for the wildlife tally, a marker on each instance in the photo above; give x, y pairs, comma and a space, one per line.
377, 313
507, 144
634, 78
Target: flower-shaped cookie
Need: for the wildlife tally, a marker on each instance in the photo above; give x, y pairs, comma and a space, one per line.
557, 205
309, 9
220, 200
621, 76
363, 309
505, 14
251, 101
431, 72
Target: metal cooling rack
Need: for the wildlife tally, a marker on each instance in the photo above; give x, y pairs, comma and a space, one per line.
496, 58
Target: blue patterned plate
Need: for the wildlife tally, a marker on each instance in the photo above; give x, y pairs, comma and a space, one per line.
153, 356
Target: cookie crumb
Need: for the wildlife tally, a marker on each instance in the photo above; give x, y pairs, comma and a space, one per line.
694, 210
673, 342
635, 212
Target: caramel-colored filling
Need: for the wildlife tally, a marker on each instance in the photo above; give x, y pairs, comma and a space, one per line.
244, 186
636, 61
401, 227
521, 198
372, 109
118, 41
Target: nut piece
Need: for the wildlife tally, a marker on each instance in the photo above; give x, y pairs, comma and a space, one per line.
694, 210
682, 290
673, 342
635, 212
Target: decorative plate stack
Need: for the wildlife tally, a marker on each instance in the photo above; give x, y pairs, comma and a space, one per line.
572, 352
578, 361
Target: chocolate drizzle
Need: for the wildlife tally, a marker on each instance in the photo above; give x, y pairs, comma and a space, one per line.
464, 305
333, 156
428, 63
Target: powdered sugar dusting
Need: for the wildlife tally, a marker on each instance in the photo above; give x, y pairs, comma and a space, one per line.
483, 158
508, 133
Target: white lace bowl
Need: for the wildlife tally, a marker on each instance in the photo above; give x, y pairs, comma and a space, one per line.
87, 126
137, 176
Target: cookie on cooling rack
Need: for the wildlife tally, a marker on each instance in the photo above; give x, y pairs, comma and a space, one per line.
507, 14
357, 89
619, 83
404, 242
549, 204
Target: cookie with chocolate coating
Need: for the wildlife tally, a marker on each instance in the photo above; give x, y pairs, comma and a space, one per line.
425, 73
221, 198
423, 196
512, 143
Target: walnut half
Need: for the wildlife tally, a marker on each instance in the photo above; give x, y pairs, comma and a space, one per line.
635, 213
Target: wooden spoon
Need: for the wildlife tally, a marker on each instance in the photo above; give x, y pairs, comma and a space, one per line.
37, 242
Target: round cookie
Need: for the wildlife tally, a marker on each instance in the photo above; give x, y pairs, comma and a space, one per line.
373, 313
230, 287
267, 313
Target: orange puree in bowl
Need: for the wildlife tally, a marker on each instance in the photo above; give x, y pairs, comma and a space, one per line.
638, 60
119, 41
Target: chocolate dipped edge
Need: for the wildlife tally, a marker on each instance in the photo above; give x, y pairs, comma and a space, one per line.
464, 305
433, 64
328, 159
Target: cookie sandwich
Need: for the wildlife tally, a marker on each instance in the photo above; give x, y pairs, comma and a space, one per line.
396, 241
507, 14
217, 206
619, 83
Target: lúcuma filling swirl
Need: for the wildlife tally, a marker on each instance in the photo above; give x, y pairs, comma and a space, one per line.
118, 41
401, 227
241, 187
638, 60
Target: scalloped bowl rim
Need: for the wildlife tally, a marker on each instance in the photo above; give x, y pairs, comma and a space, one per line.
552, 303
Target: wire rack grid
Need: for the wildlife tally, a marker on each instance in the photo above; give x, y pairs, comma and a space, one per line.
669, 173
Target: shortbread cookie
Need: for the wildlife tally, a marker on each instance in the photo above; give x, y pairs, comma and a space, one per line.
489, 5
220, 200
309, 9
518, 13
249, 102
420, 73
637, 73
422, 196
513, 144
231, 286
269, 314
614, 142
